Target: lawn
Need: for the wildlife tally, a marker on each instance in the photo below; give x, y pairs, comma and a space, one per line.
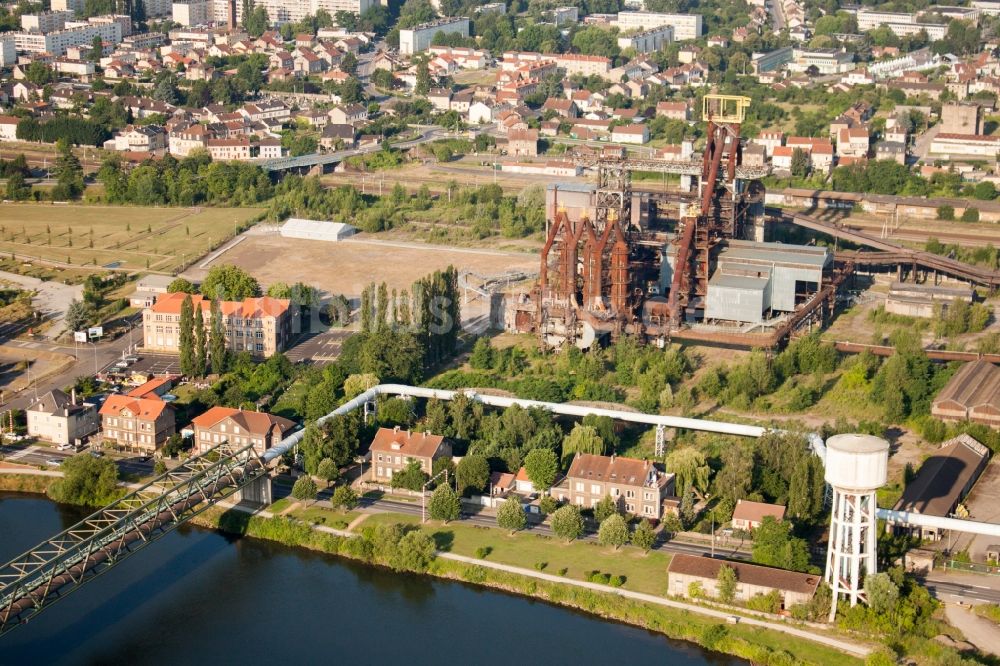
318, 514
643, 572
127, 237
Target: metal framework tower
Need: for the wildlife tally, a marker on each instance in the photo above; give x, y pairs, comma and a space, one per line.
856, 466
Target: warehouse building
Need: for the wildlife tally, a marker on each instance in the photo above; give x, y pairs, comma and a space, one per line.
753, 278
921, 300
943, 482
973, 394
321, 230
792, 587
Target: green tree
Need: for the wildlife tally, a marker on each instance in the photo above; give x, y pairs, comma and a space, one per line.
472, 474
217, 340
688, 463
200, 344
726, 584
228, 282
597, 42
186, 338
86, 480
412, 477
604, 508
349, 63
68, 172
882, 592
444, 504
644, 536
541, 466
159, 467
774, 546
327, 471
970, 215
180, 285
945, 212
344, 498
800, 163
482, 354
567, 523
415, 552
79, 315
304, 489
423, 84
985, 191
17, 188
582, 439
510, 515
613, 531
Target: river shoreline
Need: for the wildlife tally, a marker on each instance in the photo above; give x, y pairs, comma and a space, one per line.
745, 642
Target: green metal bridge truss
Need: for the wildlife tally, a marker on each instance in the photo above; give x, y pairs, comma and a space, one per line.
35, 580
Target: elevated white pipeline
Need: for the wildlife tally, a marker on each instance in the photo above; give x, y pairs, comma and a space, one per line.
815, 441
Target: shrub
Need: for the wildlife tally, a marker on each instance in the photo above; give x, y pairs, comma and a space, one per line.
548, 504
945, 213
562, 572
617, 581
970, 215
483, 551
541, 565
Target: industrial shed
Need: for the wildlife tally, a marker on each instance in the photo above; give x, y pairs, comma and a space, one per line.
321, 230
944, 480
795, 269
972, 394
737, 293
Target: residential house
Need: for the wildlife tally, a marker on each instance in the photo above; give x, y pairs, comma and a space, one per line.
674, 110
565, 108
240, 428
636, 486
137, 424
61, 419
891, 150
633, 134
781, 158
8, 128
141, 138
337, 135
770, 140
522, 142
440, 98
853, 142
392, 450
748, 516
349, 114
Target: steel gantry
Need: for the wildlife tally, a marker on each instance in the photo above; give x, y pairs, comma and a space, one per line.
41, 576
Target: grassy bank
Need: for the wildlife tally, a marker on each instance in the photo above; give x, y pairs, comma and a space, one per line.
26, 483
752, 643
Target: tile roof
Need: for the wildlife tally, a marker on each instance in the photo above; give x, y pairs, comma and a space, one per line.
152, 386
256, 423
615, 469
416, 444
751, 574
755, 512
143, 408
248, 307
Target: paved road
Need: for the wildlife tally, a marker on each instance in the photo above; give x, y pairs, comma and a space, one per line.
949, 588
922, 144
51, 298
979, 631
35, 454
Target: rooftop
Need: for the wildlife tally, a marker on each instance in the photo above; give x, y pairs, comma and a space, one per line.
416, 444
944, 477
751, 574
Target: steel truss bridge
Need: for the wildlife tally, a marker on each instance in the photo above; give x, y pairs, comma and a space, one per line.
36, 579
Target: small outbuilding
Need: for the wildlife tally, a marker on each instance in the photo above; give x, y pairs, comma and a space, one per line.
793, 587
321, 230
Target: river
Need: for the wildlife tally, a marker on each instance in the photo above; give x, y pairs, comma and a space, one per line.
198, 596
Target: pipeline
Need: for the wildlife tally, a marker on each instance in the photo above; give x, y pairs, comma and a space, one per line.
816, 443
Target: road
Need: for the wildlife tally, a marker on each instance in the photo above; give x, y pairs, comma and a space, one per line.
41, 455
948, 588
922, 144
91, 356
427, 133
777, 14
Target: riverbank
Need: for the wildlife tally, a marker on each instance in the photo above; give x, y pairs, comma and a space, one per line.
758, 641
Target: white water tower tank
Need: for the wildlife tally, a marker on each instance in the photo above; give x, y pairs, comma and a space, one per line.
857, 462
856, 467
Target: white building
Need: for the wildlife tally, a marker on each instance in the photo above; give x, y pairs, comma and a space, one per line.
45, 21
648, 41
419, 37
323, 230
686, 26
8, 51
75, 6
826, 61
58, 418
57, 42
192, 12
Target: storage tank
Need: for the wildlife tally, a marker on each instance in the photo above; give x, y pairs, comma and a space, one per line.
857, 462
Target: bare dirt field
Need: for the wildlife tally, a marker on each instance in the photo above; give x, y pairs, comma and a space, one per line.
14, 378
346, 267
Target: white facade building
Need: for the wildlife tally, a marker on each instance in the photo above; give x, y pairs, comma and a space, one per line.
45, 21
419, 38
57, 42
648, 41
686, 26
8, 51
322, 230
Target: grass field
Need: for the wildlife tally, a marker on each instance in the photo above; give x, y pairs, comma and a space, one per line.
643, 572
126, 237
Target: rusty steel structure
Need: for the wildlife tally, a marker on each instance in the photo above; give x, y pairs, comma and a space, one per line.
600, 274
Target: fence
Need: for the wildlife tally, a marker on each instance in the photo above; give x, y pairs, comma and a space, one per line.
972, 567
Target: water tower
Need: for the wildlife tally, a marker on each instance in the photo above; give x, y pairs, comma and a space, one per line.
856, 466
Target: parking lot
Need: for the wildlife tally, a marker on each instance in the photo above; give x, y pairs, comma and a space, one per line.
320, 348
150, 364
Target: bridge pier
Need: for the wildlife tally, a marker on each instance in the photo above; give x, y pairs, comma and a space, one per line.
257, 492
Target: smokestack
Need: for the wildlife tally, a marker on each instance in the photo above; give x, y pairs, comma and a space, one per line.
232, 14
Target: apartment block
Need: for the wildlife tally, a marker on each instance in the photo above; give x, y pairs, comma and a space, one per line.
261, 326
45, 21
137, 424
393, 449
192, 12
636, 486
419, 37
240, 428
686, 26
648, 41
